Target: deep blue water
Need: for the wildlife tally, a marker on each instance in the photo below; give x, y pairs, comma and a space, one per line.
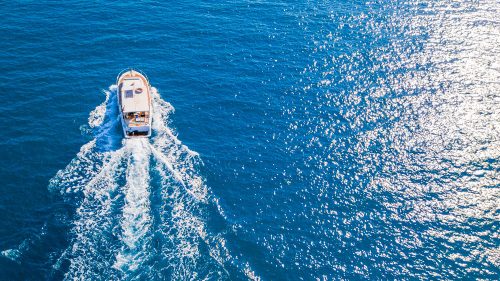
311, 140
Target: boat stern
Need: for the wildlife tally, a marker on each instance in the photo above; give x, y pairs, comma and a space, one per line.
137, 132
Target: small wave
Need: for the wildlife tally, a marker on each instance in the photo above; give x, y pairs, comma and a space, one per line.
15, 254
12, 254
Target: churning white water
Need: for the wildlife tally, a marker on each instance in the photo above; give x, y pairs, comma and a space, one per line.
118, 231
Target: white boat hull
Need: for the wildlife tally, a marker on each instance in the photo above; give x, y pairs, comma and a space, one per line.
135, 104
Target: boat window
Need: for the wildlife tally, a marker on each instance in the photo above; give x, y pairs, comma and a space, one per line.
129, 93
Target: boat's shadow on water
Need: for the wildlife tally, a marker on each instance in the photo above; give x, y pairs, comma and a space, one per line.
108, 135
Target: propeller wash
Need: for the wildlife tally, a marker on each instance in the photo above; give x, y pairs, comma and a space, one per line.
141, 206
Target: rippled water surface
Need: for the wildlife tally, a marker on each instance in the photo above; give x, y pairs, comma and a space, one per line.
311, 140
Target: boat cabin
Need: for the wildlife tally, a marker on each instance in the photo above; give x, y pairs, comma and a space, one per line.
135, 104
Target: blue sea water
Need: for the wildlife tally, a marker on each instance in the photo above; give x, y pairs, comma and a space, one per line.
293, 140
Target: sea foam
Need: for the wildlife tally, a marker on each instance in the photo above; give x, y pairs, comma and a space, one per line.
114, 232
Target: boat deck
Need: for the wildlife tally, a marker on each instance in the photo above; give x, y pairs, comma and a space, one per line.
135, 104
137, 120
134, 92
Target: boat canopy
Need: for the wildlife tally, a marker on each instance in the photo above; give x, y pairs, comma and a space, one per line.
134, 96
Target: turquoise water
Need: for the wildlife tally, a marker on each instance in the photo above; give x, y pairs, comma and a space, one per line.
302, 140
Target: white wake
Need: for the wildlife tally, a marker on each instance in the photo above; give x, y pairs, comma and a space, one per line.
141, 206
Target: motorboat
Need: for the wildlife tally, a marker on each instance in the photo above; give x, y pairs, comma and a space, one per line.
135, 103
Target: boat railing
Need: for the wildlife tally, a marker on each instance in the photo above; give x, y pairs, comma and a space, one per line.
143, 74
129, 69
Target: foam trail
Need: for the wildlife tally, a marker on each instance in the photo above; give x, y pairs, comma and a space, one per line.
136, 220
117, 231
184, 196
92, 180
96, 116
194, 248
178, 158
94, 226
